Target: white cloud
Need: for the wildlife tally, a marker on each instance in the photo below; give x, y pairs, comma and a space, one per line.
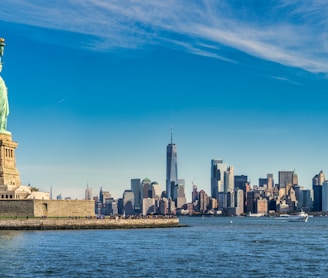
292, 33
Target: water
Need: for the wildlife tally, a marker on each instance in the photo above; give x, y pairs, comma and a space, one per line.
209, 247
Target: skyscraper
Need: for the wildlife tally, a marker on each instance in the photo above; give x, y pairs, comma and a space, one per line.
137, 191
88, 193
317, 183
217, 176
285, 179
128, 202
325, 196
229, 188
171, 168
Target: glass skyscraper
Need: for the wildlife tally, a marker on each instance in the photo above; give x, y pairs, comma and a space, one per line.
171, 168
217, 176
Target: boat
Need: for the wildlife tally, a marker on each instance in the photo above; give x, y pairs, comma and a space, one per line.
255, 214
299, 217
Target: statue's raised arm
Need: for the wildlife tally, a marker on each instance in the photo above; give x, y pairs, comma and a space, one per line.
2, 46
2, 49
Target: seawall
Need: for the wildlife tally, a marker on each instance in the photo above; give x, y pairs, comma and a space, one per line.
84, 223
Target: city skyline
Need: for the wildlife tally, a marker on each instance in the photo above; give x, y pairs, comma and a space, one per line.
94, 89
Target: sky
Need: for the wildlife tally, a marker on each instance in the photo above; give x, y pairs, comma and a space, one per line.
96, 86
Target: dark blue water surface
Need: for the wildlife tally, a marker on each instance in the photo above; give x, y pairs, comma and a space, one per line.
209, 247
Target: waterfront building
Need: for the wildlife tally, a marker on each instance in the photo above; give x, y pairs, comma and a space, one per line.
194, 194
172, 207
262, 206
270, 183
163, 206
239, 201
286, 181
299, 197
213, 204
181, 196
307, 199
156, 190
146, 188
229, 186
295, 178
217, 177
203, 201
171, 168
318, 179
110, 207
103, 195
120, 207
137, 191
148, 206
128, 202
240, 182
325, 196
317, 183
250, 205
263, 182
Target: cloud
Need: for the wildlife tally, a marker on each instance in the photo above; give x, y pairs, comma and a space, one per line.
60, 101
292, 33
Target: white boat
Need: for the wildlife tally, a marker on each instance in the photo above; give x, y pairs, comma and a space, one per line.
300, 217
255, 214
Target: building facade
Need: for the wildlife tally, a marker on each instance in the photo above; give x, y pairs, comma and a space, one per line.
171, 168
217, 177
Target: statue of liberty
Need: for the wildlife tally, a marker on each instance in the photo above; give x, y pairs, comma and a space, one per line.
4, 105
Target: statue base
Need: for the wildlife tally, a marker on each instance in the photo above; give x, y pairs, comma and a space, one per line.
9, 174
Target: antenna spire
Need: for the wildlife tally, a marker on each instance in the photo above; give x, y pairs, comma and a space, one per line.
171, 136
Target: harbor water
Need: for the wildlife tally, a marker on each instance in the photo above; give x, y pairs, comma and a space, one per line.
208, 247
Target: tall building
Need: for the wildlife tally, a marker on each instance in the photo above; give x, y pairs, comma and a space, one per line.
146, 188
181, 197
203, 201
110, 207
136, 189
156, 190
239, 201
148, 206
325, 196
317, 183
217, 177
229, 187
128, 202
194, 194
307, 199
171, 168
88, 193
285, 178
270, 182
240, 182
103, 195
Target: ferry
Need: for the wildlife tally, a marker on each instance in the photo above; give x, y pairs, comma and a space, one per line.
255, 214
299, 217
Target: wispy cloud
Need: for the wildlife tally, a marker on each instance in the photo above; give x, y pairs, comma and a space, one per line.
60, 101
292, 33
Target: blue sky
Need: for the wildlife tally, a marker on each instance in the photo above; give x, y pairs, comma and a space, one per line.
95, 87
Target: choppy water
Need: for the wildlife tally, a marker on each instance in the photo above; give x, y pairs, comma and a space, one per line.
210, 247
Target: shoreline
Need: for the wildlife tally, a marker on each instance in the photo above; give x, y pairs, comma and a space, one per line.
87, 224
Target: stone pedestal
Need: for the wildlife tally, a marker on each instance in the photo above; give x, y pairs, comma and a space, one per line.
8, 171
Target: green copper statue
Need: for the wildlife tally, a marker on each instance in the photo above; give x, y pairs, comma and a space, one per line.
4, 105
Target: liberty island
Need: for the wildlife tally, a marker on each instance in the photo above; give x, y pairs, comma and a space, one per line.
37, 209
